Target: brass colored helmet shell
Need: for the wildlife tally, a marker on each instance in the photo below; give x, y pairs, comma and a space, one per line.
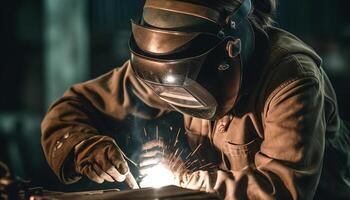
198, 72
160, 41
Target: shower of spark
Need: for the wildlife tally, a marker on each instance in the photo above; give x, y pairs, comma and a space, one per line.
171, 167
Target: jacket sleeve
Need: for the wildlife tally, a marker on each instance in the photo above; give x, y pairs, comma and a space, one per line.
83, 110
292, 151
289, 162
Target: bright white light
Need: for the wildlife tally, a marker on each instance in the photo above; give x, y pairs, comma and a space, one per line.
170, 79
157, 177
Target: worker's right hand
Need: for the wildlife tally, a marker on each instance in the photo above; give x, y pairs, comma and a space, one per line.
220, 181
100, 159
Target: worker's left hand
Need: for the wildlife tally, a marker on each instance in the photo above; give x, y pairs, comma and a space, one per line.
156, 152
153, 153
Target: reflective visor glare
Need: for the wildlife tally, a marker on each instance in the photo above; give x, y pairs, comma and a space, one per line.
177, 96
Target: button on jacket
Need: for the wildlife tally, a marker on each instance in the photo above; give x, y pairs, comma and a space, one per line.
275, 140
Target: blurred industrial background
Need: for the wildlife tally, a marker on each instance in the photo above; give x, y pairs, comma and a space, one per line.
47, 45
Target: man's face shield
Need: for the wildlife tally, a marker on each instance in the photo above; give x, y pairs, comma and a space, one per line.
197, 73
191, 71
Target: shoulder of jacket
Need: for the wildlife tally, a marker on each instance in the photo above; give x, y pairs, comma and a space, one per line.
289, 59
284, 44
287, 67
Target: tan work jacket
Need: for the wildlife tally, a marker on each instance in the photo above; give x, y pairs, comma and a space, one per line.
273, 143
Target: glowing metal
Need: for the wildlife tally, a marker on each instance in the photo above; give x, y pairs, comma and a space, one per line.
157, 177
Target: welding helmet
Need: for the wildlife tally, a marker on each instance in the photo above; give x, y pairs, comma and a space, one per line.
198, 73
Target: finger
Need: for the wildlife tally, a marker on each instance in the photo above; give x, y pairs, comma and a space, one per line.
152, 144
230, 187
107, 166
116, 158
91, 174
150, 162
112, 162
131, 181
221, 177
113, 172
151, 153
101, 173
207, 185
183, 179
227, 179
200, 182
191, 184
196, 182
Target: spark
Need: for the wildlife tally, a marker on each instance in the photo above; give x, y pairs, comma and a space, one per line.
175, 161
189, 155
209, 165
145, 131
173, 155
193, 152
199, 146
177, 137
184, 164
192, 163
172, 163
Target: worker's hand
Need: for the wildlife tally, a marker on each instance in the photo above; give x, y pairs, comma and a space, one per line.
156, 152
153, 153
100, 159
197, 180
221, 182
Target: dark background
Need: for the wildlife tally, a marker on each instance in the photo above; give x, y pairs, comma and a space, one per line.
47, 45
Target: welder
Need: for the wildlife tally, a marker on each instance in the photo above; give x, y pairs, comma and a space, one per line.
255, 96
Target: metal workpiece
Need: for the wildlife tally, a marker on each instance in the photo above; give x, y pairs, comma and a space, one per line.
169, 193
